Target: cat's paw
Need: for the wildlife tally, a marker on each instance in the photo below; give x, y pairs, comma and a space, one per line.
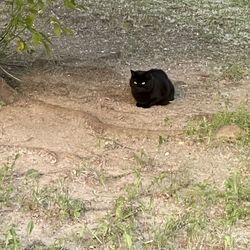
146, 106
142, 105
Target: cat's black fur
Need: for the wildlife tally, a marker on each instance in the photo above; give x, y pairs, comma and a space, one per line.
151, 87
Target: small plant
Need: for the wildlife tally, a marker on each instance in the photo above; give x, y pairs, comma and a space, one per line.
142, 159
204, 129
168, 183
6, 181
166, 233
30, 227
237, 198
117, 228
161, 140
234, 72
54, 203
228, 243
134, 189
33, 174
11, 240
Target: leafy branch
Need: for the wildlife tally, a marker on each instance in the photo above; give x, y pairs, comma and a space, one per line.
30, 22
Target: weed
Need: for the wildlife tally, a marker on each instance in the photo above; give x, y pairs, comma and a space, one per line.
11, 239
134, 189
203, 221
7, 181
166, 233
142, 159
168, 183
33, 173
234, 72
161, 140
204, 129
237, 198
117, 228
2, 104
30, 227
228, 243
54, 203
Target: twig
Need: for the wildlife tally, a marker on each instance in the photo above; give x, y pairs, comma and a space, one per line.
9, 74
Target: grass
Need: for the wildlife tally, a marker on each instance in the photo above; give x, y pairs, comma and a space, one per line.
237, 198
204, 216
207, 218
117, 228
53, 203
208, 212
234, 72
7, 183
204, 129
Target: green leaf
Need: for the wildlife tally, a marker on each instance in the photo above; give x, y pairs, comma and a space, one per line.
30, 227
57, 30
33, 173
19, 3
36, 38
68, 30
29, 20
119, 205
70, 4
11, 240
128, 239
20, 46
161, 140
46, 46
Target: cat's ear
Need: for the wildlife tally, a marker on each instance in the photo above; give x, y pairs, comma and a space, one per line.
132, 72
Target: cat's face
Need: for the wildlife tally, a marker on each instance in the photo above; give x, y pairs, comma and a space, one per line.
140, 79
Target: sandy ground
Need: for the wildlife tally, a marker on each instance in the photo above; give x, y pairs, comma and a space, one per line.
83, 120
74, 121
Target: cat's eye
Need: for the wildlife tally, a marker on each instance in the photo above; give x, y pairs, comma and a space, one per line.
135, 82
143, 83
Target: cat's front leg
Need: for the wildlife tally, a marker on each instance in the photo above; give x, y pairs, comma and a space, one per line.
153, 101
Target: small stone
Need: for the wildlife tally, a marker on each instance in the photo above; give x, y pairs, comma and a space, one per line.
229, 132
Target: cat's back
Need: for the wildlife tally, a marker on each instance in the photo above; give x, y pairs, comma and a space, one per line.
158, 74
162, 82
159, 77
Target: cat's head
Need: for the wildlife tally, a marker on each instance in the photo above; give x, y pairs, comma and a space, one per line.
140, 79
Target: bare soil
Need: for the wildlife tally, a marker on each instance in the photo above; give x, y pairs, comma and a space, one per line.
80, 123
74, 121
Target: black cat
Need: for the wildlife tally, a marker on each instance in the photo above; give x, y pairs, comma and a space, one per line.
151, 87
